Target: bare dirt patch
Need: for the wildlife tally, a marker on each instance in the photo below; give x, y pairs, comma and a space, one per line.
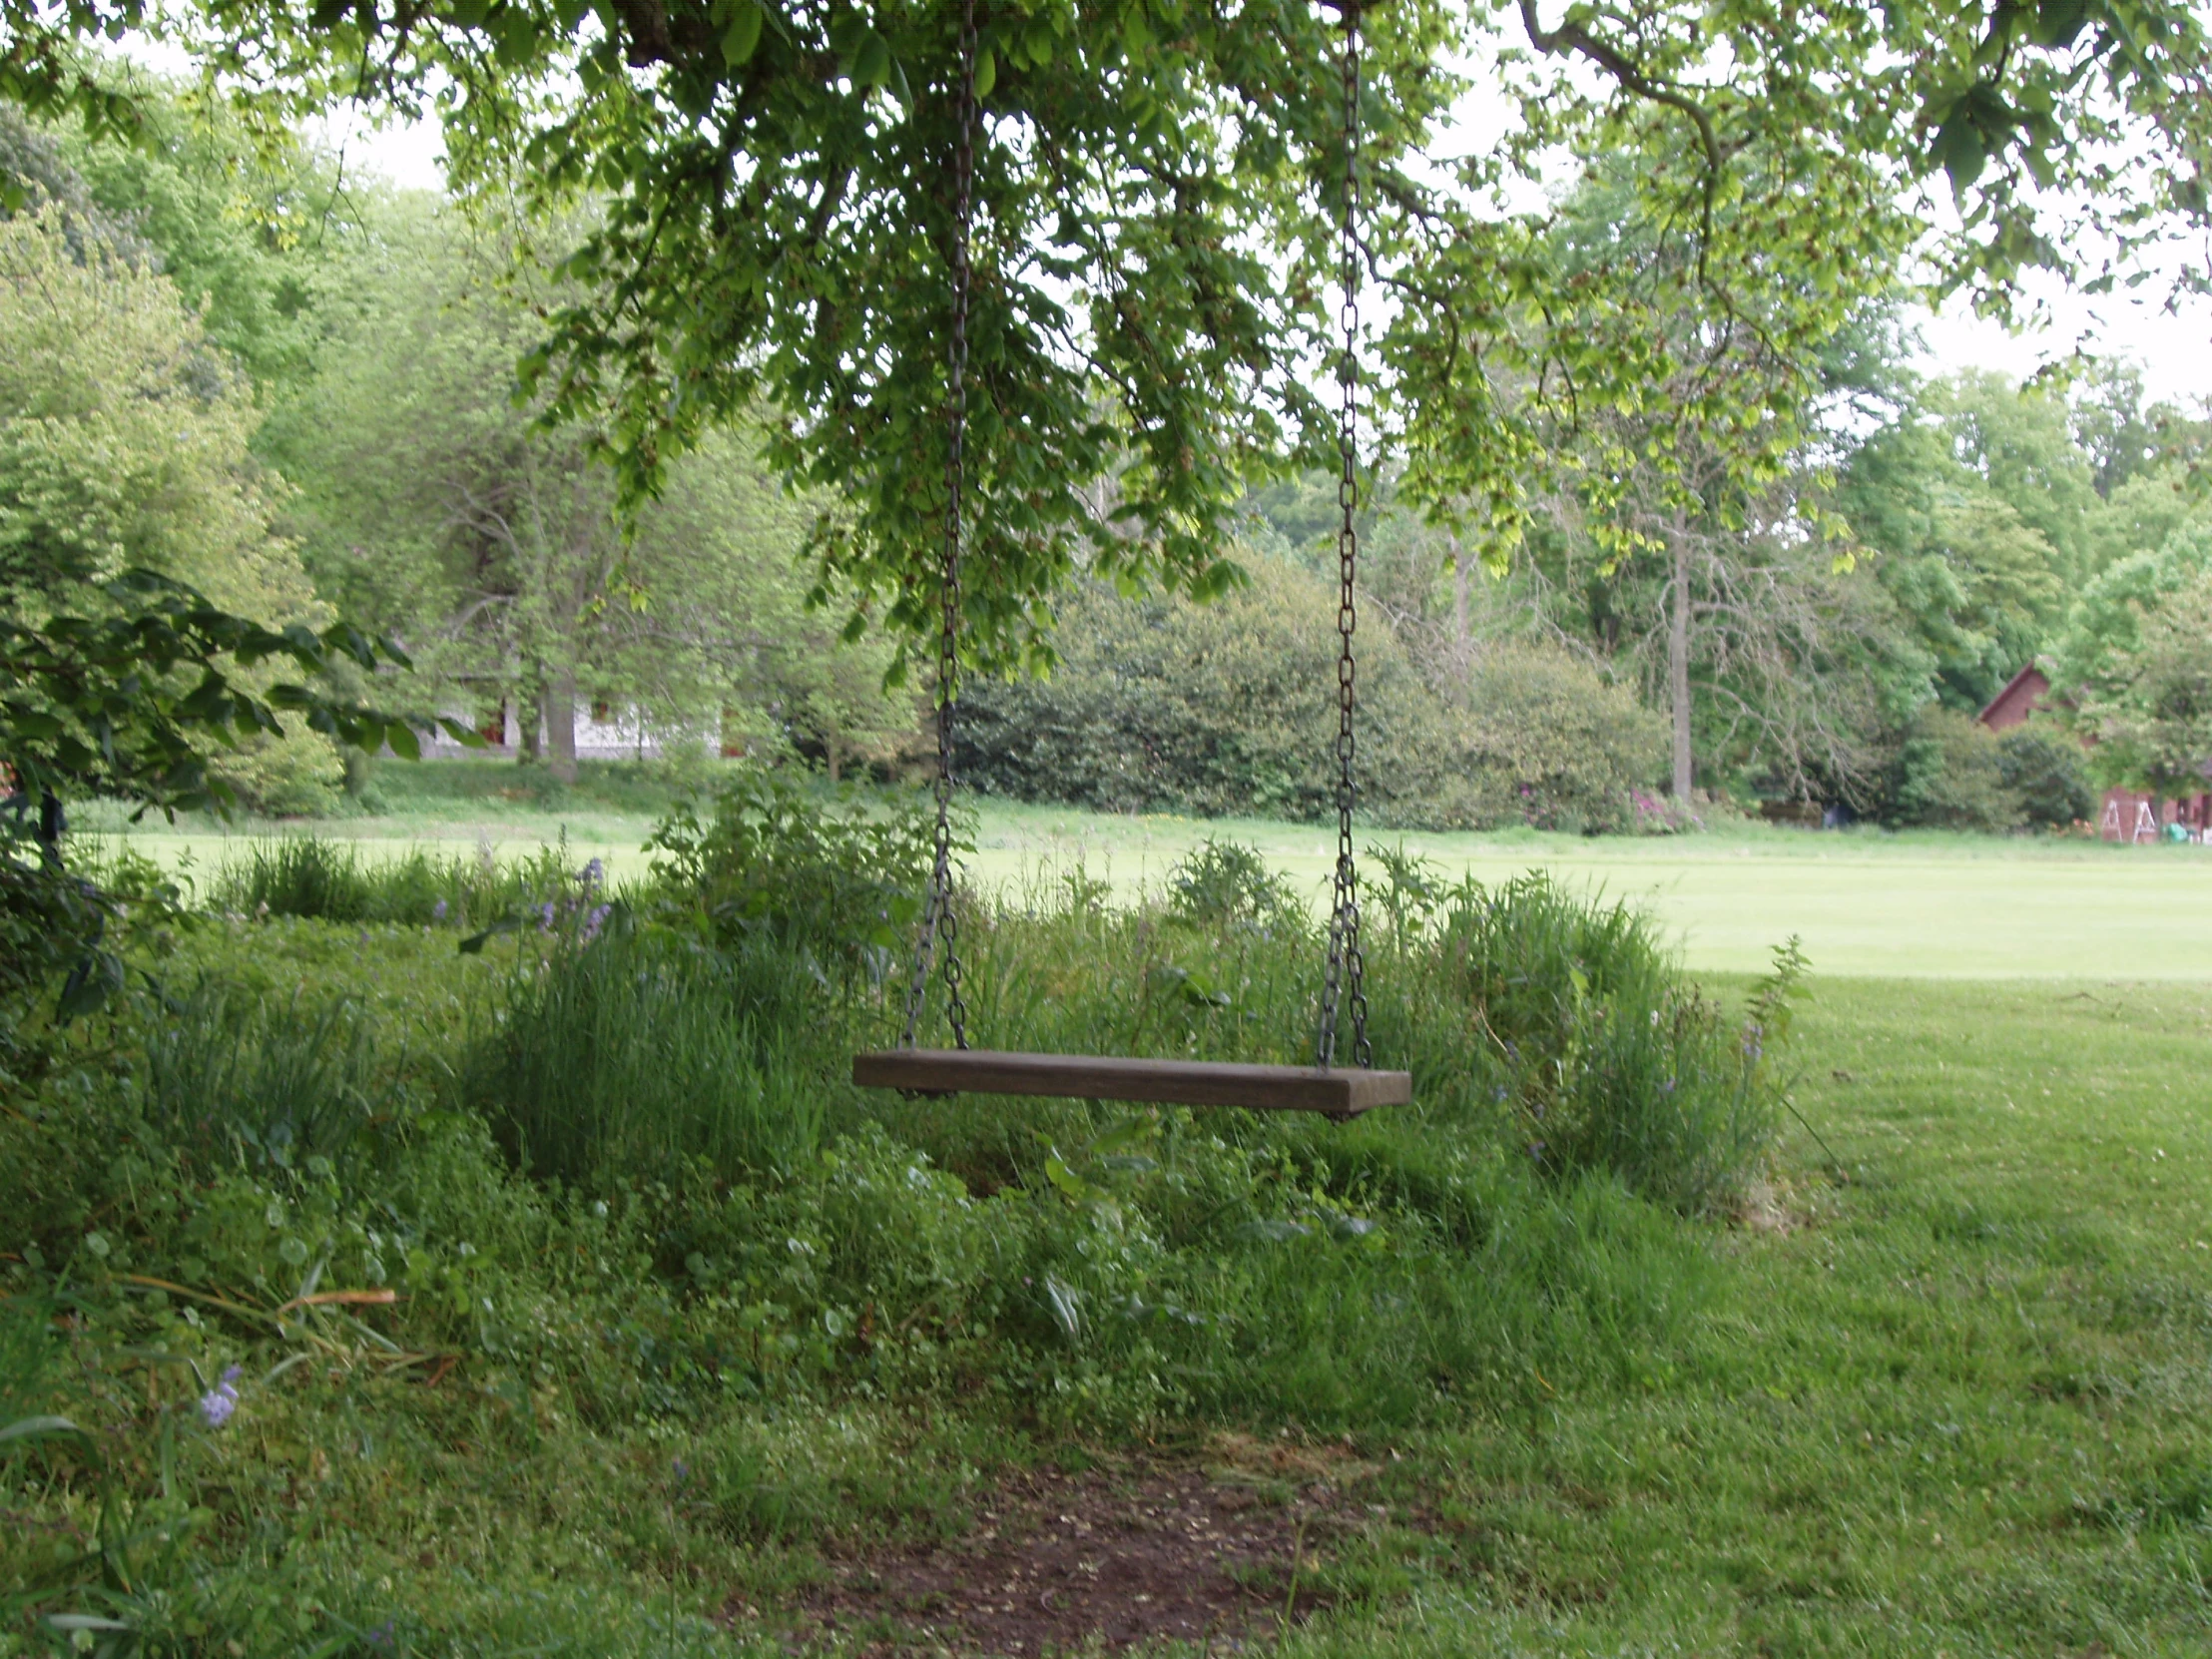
1215, 1553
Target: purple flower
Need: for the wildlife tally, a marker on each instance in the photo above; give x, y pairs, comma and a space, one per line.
545, 918
217, 1404
438, 911
592, 922
594, 873
382, 1636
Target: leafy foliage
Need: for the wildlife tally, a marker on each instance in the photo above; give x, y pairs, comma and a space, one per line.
1223, 882
113, 704
2041, 764
1148, 178
1213, 709
1542, 740
1950, 775
837, 877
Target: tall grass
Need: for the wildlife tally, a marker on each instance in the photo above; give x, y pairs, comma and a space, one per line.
228, 1078
1571, 1088
326, 880
636, 1053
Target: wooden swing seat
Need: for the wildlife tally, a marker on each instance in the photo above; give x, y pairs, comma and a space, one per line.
938, 1071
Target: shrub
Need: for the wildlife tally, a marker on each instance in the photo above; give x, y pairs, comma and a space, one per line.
2043, 767
1217, 710
1224, 881
1228, 709
1950, 775
837, 875
1544, 739
298, 774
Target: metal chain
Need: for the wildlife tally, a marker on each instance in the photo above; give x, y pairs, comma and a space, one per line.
1345, 981
938, 920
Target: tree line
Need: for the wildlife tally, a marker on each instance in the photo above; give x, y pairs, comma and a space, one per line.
1786, 568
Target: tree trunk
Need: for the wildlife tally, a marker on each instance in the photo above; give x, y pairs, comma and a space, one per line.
830, 751
529, 712
560, 724
1678, 658
1462, 628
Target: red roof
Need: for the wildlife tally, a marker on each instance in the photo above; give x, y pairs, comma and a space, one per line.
2019, 698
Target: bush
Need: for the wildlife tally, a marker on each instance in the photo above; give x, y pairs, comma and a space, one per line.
2042, 768
1220, 881
837, 875
1217, 711
1230, 709
1950, 775
298, 774
1545, 740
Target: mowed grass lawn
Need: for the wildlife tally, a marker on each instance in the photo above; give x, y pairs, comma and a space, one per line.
1951, 1392
1864, 903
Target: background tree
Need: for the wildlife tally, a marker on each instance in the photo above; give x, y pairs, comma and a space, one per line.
436, 503
775, 219
124, 446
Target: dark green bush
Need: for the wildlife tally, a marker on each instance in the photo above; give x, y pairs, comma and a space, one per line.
2043, 767
1950, 775
1230, 709
1215, 710
1544, 739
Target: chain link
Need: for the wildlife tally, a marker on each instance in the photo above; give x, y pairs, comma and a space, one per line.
938, 921
1345, 982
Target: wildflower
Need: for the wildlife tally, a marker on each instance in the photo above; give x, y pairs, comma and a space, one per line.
382, 1636
593, 874
545, 918
438, 911
217, 1404
592, 922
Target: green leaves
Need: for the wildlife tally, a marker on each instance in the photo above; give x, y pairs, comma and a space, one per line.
1154, 263
742, 34
112, 704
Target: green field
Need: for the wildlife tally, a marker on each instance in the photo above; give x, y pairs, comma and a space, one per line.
1864, 903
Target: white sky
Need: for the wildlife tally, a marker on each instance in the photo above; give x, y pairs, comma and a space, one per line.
2174, 350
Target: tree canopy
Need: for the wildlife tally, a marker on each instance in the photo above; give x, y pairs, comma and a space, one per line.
1155, 184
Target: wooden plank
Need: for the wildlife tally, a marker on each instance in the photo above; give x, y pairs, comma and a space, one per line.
1341, 1094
